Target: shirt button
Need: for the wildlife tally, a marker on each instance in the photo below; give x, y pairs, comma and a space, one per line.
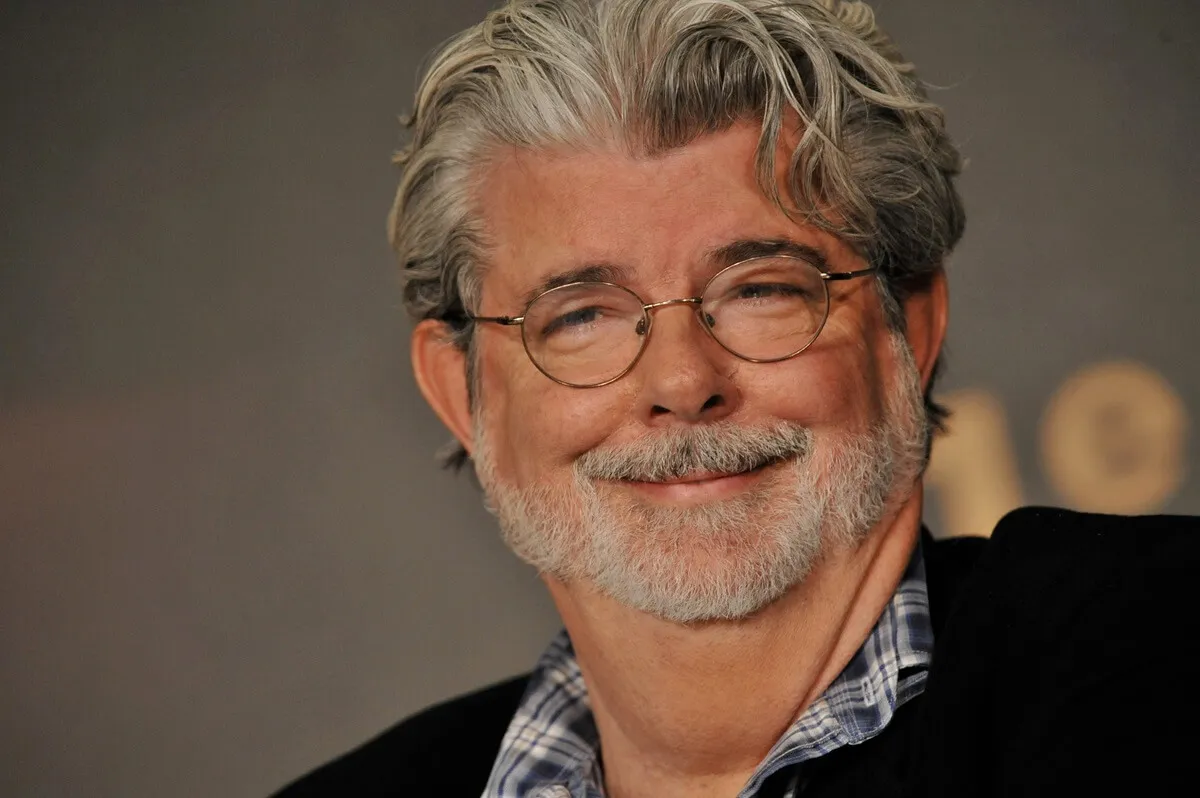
555, 791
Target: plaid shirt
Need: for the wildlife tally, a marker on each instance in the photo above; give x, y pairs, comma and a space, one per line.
551, 748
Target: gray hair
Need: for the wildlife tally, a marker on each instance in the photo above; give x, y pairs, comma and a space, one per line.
874, 164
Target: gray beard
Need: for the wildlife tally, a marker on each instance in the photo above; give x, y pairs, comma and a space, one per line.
725, 559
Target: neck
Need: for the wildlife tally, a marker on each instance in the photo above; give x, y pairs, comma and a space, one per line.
692, 710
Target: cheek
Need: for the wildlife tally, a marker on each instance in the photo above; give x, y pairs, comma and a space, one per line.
833, 387
538, 428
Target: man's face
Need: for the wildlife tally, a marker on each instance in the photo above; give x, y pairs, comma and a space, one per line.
827, 435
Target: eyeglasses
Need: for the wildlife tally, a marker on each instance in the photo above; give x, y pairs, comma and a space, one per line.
763, 310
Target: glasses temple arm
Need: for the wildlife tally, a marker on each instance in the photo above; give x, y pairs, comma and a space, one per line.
848, 275
507, 321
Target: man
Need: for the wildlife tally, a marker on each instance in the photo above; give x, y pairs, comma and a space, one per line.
678, 268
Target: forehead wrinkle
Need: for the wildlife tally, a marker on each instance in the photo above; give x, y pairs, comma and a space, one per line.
542, 171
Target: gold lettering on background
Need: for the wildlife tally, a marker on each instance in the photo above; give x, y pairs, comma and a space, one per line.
1112, 439
973, 467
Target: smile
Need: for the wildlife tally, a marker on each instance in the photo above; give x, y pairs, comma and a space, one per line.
700, 487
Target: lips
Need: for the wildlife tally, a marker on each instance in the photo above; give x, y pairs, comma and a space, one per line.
698, 487
707, 476
691, 456
699, 478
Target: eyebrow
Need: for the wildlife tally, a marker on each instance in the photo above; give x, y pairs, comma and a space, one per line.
589, 273
725, 255
745, 249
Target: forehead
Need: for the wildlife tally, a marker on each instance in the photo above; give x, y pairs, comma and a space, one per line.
656, 218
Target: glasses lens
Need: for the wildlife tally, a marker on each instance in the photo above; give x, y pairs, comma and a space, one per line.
767, 308
584, 334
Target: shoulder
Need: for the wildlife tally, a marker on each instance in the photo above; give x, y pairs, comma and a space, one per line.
1118, 561
447, 749
1065, 645
1046, 572
1058, 531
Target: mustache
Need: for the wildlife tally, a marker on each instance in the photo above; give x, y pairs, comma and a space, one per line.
721, 447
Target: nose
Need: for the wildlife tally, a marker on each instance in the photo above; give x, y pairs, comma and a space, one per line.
685, 375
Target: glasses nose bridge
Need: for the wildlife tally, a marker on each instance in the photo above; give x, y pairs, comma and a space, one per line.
693, 302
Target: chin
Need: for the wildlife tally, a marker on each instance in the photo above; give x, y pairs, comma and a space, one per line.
696, 592
695, 574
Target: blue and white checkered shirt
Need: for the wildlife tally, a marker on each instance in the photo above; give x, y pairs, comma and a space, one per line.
551, 748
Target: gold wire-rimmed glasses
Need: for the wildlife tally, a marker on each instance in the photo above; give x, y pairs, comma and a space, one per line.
591, 333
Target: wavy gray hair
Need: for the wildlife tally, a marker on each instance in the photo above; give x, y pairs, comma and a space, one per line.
874, 163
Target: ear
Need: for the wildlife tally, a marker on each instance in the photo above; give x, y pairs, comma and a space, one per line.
441, 371
926, 315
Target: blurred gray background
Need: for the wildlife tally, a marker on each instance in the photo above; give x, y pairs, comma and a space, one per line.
226, 553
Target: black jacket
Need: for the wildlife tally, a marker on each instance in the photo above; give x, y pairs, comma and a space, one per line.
1066, 660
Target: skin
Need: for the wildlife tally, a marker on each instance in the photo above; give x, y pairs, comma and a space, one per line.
682, 710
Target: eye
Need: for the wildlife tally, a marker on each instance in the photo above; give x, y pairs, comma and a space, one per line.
580, 315
769, 291
574, 318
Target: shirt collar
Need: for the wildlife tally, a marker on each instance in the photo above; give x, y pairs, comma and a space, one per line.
551, 748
